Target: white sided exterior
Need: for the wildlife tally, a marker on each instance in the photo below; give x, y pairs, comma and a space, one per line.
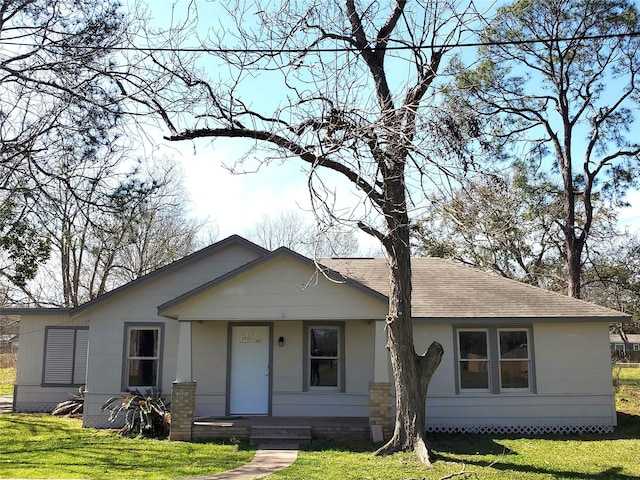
286, 294
29, 393
572, 391
272, 299
138, 305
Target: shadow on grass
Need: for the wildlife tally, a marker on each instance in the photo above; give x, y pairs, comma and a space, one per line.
612, 473
485, 444
38, 423
448, 447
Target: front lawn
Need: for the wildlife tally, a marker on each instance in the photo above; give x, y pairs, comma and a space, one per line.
626, 381
487, 457
42, 446
7, 378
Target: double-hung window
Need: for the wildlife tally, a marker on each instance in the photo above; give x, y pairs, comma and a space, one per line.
143, 346
473, 363
494, 360
515, 361
65, 356
324, 352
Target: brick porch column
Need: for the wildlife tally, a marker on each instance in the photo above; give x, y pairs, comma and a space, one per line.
381, 407
381, 398
183, 406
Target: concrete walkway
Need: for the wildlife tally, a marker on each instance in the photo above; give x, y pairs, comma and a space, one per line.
268, 459
6, 404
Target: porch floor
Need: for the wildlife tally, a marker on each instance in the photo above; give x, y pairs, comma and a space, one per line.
240, 426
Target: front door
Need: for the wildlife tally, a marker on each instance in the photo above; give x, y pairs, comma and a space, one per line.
250, 373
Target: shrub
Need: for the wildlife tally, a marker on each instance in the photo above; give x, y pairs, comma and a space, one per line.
74, 406
145, 414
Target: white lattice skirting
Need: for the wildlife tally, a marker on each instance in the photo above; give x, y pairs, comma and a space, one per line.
521, 429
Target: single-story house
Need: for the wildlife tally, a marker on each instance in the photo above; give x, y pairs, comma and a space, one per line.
237, 330
619, 349
9, 343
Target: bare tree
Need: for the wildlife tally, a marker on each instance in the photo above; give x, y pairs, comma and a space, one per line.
54, 56
557, 84
106, 226
290, 229
287, 229
163, 230
511, 225
506, 223
350, 89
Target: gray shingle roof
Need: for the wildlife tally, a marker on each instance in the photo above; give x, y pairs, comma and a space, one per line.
444, 289
631, 337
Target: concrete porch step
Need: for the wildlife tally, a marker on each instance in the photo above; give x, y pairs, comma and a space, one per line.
273, 434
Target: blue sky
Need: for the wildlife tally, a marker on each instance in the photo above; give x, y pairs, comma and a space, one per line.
237, 202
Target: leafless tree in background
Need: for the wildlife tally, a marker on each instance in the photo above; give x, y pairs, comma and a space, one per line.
290, 229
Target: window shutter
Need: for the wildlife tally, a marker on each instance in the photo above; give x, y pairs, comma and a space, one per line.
80, 363
58, 361
65, 356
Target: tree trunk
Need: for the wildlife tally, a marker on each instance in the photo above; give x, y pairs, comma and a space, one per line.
411, 372
574, 264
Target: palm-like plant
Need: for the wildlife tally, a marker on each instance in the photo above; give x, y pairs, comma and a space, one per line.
146, 413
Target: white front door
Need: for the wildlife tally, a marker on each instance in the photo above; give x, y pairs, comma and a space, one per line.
250, 370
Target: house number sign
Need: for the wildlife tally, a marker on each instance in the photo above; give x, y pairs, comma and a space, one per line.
250, 337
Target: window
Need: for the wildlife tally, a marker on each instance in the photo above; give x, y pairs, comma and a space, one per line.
474, 360
636, 347
142, 353
494, 360
324, 352
65, 355
514, 359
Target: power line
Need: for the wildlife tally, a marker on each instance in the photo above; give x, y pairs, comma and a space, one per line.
337, 49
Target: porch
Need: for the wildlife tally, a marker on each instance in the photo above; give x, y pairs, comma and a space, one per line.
266, 429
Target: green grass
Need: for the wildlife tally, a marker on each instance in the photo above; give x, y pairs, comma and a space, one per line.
43, 446
627, 385
600, 457
7, 378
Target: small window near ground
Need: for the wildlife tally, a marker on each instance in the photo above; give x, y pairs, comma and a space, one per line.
324, 362
143, 357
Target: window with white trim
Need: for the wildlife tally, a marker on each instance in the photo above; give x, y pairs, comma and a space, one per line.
494, 360
514, 359
65, 356
473, 350
636, 347
142, 356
